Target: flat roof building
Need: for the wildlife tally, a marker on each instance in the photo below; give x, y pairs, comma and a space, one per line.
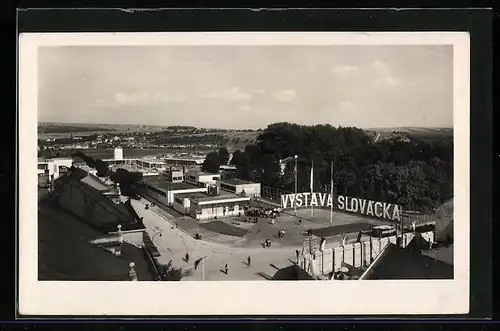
163, 191
202, 177
223, 205
241, 187
51, 169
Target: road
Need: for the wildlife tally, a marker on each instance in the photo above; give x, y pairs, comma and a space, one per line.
173, 244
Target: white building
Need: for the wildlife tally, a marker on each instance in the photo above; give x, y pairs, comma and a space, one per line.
118, 153
163, 191
174, 175
183, 161
182, 201
51, 169
241, 187
212, 207
202, 177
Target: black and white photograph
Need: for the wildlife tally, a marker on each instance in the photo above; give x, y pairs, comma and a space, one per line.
261, 158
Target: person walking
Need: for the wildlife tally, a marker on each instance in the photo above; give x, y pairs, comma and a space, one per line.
249, 261
226, 268
187, 257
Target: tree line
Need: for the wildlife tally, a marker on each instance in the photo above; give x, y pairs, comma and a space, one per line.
417, 174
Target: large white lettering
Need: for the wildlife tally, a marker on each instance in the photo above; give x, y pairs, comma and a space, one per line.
369, 210
386, 210
378, 212
343, 203
314, 201
292, 200
362, 205
306, 198
395, 214
298, 199
329, 202
340, 202
322, 199
284, 201
354, 205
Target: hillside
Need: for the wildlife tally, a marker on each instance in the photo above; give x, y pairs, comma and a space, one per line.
239, 139
380, 134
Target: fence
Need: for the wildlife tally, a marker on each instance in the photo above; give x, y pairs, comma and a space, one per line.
273, 194
358, 254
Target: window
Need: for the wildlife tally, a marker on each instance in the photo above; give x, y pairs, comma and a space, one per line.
227, 187
154, 189
215, 178
43, 166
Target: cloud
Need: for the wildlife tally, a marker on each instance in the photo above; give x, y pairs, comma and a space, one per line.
285, 95
142, 98
387, 81
260, 91
379, 66
232, 94
346, 105
245, 107
344, 70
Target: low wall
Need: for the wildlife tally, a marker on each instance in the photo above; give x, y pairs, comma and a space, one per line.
357, 254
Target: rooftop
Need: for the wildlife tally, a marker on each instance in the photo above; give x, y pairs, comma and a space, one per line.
95, 183
208, 174
195, 195
399, 263
236, 181
116, 214
60, 232
292, 272
224, 195
161, 183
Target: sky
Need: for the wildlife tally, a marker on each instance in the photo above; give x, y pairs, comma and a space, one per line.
250, 87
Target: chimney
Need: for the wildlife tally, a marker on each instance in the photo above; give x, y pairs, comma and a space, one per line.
118, 250
132, 274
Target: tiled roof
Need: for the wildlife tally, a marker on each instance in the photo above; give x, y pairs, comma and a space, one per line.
117, 214
64, 251
398, 263
292, 272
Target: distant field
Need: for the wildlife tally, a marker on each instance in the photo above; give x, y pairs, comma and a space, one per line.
103, 153
422, 133
244, 138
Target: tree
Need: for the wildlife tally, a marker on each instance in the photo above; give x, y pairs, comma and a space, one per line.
211, 163
223, 155
236, 159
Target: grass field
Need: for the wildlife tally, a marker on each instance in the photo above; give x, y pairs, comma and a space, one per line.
417, 132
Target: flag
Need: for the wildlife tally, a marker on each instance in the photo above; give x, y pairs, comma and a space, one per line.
286, 160
312, 173
197, 262
322, 244
344, 239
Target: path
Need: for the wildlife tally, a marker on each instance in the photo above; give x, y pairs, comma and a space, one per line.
173, 245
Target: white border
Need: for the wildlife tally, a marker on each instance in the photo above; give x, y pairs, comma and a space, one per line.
239, 297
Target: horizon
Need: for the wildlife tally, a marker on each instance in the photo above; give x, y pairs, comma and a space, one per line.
248, 86
240, 129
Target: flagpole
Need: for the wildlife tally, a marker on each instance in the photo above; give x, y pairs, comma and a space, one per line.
203, 269
296, 170
331, 195
312, 186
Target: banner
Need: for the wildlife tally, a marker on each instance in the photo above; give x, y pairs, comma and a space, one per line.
342, 203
